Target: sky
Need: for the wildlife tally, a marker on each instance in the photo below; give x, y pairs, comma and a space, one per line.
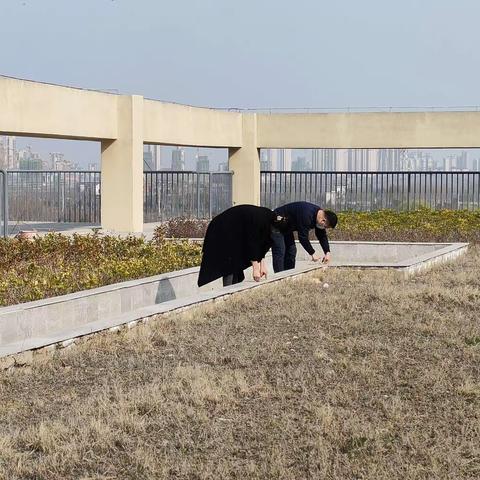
252, 53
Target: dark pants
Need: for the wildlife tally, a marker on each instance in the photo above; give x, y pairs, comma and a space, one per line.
232, 279
284, 251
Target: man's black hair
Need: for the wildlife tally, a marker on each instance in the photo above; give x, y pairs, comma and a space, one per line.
331, 217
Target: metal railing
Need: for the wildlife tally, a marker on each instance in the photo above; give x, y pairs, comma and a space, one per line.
185, 194
75, 196
54, 196
3, 203
343, 191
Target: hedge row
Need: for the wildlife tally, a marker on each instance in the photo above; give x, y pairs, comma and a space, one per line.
423, 225
58, 264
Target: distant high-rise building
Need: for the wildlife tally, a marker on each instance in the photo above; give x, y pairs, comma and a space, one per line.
301, 164
154, 154
409, 162
427, 164
11, 151
203, 164
391, 159
56, 159
28, 160
59, 162
223, 167
8, 152
421, 161
324, 159
24, 153
448, 163
265, 160
341, 160
358, 159
462, 161
178, 159
273, 158
284, 159
32, 163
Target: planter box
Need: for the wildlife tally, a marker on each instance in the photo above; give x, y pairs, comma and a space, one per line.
36, 324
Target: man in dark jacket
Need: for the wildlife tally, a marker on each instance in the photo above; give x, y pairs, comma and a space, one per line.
236, 239
301, 217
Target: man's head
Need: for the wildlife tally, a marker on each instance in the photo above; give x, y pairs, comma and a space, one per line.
326, 219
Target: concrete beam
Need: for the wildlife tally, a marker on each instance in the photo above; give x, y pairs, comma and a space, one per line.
43, 110
172, 124
369, 130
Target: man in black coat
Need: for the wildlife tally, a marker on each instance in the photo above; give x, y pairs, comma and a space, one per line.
235, 240
302, 217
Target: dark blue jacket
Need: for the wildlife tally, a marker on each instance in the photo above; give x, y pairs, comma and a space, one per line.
302, 217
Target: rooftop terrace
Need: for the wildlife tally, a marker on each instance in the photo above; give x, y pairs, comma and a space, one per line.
376, 377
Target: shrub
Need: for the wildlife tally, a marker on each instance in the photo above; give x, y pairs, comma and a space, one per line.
57, 264
182, 227
423, 225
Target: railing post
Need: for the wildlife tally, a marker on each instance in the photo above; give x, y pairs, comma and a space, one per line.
198, 195
408, 191
56, 183
209, 195
5, 203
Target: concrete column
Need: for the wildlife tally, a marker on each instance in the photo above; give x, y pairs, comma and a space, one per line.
245, 164
122, 170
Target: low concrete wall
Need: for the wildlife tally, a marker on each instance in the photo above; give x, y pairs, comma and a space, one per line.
398, 254
32, 324
36, 324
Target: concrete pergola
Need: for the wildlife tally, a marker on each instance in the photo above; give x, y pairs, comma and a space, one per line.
123, 123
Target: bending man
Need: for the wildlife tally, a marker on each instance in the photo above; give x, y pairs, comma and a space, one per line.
302, 217
235, 240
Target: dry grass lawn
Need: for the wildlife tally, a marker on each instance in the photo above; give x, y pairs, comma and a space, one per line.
374, 378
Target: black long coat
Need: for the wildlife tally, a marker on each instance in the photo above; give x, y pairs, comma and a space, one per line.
233, 239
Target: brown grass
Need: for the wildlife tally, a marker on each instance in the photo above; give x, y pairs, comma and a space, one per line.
374, 378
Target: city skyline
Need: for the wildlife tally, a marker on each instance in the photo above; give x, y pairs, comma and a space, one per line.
18, 153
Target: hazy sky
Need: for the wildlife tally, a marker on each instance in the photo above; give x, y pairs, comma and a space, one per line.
251, 53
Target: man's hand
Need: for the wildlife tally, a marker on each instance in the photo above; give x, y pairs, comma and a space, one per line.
315, 257
263, 269
326, 258
256, 274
